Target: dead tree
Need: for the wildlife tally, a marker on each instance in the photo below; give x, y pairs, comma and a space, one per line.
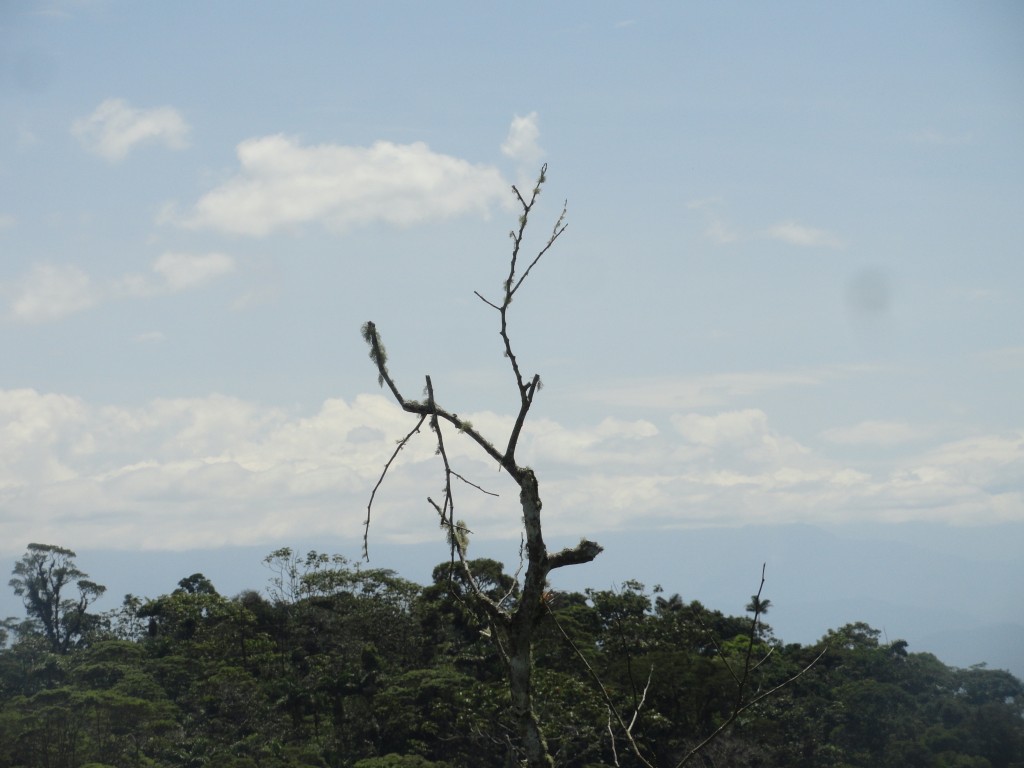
511, 625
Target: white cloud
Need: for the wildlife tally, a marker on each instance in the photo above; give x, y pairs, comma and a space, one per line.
198, 472
32, 428
181, 271
182, 472
264, 294
283, 183
875, 433
723, 428
49, 292
521, 142
6, 221
115, 128
982, 455
717, 230
976, 479
720, 232
797, 234
731, 468
738, 438
612, 440
176, 272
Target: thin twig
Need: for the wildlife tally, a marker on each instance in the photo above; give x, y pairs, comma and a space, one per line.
753, 637
604, 691
560, 227
488, 302
449, 499
515, 576
611, 738
643, 698
422, 409
756, 700
401, 445
474, 485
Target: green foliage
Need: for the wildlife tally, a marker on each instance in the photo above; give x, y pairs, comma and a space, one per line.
41, 578
399, 761
348, 667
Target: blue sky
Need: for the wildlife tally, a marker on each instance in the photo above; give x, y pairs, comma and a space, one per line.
789, 291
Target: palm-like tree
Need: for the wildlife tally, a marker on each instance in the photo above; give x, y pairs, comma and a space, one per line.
758, 605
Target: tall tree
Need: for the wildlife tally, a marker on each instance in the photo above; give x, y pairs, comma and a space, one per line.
512, 623
42, 578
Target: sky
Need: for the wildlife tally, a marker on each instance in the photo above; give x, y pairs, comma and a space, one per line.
789, 292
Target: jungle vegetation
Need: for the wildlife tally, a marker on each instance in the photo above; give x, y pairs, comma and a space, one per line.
332, 663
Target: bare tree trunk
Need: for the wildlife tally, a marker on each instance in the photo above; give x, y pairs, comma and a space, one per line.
520, 684
520, 661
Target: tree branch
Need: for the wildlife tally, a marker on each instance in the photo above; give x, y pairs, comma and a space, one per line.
612, 709
560, 227
584, 552
401, 444
379, 358
740, 710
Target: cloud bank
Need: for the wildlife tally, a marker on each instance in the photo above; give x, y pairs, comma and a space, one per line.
212, 471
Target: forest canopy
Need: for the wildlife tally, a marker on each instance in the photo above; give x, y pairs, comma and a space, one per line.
335, 664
